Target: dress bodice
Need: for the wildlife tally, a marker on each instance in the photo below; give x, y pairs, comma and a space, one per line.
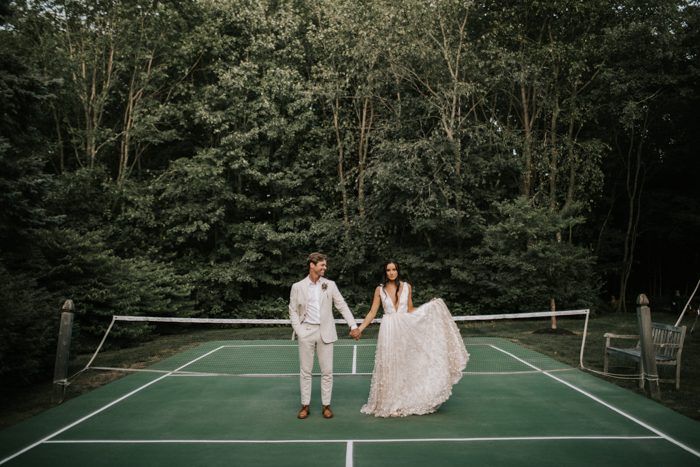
388, 302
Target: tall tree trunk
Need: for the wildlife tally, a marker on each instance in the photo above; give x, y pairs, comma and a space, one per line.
554, 155
527, 121
365, 119
93, 80
573, 166
59, 138
128, 124
634, 187
136, 93
451, 110
341, 165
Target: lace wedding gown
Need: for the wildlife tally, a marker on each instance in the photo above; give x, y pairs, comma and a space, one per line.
419, 357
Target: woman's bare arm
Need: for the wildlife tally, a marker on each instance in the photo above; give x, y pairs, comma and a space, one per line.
372, 311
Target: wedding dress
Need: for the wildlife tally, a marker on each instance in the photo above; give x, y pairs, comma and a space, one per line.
419, 357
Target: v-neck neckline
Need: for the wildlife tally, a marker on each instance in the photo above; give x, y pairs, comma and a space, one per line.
398, 300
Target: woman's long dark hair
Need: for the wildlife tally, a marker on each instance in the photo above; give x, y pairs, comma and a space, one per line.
385, 278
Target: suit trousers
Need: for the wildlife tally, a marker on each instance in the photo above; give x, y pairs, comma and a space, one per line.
310, 343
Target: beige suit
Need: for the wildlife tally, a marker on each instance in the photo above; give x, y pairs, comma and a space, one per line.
317, 338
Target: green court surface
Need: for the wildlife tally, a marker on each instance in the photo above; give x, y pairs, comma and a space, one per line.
238, 405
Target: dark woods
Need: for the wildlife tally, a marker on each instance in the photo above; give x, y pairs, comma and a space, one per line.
183, 157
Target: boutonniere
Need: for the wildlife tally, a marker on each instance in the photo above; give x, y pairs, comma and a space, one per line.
324, 286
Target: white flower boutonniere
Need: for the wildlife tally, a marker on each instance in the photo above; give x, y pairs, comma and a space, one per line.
324, 286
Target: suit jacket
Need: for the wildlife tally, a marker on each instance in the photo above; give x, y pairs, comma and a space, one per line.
327, 298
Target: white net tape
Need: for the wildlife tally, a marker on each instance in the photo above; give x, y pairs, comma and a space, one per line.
477, 329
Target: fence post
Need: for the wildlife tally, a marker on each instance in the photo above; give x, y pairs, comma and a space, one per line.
648, 353
553, 307
62, 352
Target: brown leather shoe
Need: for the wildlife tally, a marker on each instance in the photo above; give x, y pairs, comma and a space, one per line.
304, 412
327, 412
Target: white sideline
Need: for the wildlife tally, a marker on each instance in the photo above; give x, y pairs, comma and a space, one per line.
602, 402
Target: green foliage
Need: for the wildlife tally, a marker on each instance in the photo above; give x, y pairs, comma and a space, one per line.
520, 265
266, 308
79, 266
185, 157
232, 216
30, 326
27, 341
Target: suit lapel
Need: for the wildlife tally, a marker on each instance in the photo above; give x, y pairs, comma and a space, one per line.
322, 294
304, 299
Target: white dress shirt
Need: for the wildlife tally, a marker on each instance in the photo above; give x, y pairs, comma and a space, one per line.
313, 305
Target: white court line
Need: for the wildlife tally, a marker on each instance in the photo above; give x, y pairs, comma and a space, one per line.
103, 408
294, 345
336, 345
611, 407
354, 359
354, 441
349, 444
356, 373
511, 373
287, 375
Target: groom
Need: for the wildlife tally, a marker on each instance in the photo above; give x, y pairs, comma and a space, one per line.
310, 310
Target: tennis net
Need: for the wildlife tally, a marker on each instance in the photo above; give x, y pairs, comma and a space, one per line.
511, 343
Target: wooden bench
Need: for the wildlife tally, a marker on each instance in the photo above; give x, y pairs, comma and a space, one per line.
668, 347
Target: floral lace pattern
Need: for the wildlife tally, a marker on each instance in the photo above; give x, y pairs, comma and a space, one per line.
419, 357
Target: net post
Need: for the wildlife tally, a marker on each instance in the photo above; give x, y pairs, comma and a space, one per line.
648, 357
583, 342
62, 352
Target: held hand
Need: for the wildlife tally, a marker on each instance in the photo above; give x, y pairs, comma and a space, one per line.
355, 334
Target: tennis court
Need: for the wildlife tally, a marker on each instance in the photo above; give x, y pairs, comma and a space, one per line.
513, 407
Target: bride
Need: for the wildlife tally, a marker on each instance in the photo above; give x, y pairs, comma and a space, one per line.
420, 354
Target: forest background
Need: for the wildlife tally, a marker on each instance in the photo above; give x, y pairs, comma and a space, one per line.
183, 157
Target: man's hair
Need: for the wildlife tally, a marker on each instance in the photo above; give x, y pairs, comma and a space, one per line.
316, 257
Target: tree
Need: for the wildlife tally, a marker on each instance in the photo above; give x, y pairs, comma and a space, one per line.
27, 338
519, 266
119, 67
234, 215
644, 42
